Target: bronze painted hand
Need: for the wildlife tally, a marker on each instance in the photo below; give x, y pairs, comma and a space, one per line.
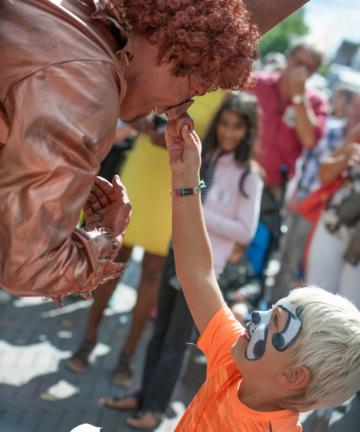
108, 206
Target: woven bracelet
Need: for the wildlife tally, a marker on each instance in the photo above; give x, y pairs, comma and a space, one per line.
188, 191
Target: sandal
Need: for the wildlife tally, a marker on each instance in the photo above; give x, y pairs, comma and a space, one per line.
145, 420
123, 373
124, 403
79, 362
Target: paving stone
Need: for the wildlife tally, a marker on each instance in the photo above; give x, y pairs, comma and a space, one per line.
70, 421
9, 422
31, 422
50, 421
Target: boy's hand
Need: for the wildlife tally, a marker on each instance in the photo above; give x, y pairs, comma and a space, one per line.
184, 152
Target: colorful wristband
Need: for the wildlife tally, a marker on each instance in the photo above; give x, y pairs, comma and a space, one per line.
188, 191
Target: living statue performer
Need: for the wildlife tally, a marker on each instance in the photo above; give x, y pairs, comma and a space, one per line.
69, 69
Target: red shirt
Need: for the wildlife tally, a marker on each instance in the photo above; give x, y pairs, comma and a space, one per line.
279, 146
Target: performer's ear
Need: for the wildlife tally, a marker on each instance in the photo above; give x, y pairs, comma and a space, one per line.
266, 14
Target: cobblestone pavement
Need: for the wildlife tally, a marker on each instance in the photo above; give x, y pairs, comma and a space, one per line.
38, 393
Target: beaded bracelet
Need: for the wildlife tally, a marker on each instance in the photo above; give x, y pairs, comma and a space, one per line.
188, 191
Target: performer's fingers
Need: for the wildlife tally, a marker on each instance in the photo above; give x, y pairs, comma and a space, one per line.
88, 210
94, 205
100, 181
120, 191
102, 197
104, 185
97, 199
92, 198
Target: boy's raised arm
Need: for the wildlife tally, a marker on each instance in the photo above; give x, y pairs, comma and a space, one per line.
192, 249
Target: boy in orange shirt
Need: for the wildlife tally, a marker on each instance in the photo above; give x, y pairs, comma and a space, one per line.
301, 354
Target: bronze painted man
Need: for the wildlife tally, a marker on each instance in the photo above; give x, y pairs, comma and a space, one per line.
69, 69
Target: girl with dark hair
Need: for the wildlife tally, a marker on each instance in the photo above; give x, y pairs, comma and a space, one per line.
234, 193
231, 211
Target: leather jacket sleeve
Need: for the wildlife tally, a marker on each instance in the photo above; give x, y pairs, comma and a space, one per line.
62, 121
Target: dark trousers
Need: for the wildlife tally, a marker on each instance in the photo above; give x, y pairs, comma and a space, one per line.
166, 350
111, 165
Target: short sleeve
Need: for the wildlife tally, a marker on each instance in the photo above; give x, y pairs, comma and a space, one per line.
219, 336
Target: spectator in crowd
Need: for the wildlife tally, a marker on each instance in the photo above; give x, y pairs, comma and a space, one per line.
293, 118
305, 181
342, 97
334, 255
231, 210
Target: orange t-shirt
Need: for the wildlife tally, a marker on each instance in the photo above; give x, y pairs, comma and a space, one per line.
216, 407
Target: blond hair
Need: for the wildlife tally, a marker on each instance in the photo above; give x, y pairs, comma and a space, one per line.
329, 346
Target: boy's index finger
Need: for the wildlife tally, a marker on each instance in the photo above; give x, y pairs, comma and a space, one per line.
188, 137
192, 138
185, 130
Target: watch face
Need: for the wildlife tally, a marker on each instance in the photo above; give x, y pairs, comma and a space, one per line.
297, 99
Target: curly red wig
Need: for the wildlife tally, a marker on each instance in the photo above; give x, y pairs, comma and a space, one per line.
213, 38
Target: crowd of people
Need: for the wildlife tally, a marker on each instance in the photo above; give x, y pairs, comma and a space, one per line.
278, 155
276, 175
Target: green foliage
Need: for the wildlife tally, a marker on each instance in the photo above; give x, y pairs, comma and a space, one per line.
279, 38
324, 69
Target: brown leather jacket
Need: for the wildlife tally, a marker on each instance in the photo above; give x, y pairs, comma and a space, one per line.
61, 83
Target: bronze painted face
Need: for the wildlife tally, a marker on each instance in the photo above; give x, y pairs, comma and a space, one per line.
153, 86
159, 90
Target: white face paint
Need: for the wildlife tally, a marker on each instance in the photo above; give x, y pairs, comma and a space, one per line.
258, 329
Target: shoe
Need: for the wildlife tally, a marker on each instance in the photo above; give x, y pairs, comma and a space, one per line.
124, 403
147, 420
79, 362
123, 373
